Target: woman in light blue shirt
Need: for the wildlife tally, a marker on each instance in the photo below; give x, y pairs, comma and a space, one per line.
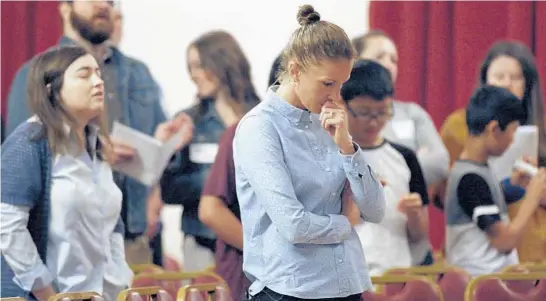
61, 229
293, 158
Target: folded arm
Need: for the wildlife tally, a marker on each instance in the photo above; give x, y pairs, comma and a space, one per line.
366, 188
258, 155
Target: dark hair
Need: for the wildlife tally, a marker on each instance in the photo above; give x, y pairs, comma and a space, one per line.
368, 79
315, 40
490, 103
533, 95
360, 43
220, 54
274, 72
46, 78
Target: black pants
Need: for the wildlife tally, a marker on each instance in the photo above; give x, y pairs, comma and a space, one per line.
268, 295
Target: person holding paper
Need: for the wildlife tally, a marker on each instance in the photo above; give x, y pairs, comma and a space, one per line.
61, 228
132, 97
481, 238
221, 72
510, 64
293, 155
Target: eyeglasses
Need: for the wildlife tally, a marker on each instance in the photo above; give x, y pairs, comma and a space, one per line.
368, 116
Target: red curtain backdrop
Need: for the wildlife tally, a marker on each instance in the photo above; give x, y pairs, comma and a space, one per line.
28, 27
441, 45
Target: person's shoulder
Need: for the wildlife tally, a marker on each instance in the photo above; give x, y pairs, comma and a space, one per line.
405, 151
193, 111
26, 137
228, 135
22, 73
260, 119
456, 119
412, 109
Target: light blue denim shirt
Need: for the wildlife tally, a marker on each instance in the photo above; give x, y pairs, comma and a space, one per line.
290, 176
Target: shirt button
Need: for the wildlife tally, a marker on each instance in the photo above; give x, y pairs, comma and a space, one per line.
333, 193
340, 261
306, 126
328, 169
110, 95
356, 164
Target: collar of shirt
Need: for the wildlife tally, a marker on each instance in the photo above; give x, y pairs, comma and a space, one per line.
91, 134
295, 115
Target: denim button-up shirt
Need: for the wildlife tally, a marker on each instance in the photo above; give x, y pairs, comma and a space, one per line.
289, 177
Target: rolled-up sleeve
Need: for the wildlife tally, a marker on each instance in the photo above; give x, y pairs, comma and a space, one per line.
19, 250
366, 188
258, 154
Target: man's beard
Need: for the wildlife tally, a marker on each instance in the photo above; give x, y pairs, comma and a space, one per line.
94, 34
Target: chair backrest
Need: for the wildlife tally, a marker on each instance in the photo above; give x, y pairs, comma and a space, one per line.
529, 266
171, 282
519, 286
91, 296
206, 291
493, 287
451, 280
222, 294
13, 299
415, 288
146, 268
144, 294
193, 294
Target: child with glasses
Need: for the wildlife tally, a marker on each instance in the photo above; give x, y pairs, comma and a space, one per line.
368, 99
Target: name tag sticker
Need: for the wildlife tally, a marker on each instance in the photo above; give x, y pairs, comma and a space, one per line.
404, 129
203, 153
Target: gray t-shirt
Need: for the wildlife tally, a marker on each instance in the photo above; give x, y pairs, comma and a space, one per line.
474, 202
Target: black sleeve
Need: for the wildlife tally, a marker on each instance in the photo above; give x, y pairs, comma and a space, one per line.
417, 182
476, 200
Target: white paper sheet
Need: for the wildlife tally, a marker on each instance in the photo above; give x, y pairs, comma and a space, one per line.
525, 144
152, 155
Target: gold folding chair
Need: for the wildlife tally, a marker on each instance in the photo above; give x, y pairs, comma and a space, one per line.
13, 299
451, 280
92, 296
431, 271
137, 294
211, 268
146, 267
493, 287
537, 267
204, 288
414, 288
172, 281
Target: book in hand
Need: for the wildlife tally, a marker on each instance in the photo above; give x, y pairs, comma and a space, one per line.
151, 155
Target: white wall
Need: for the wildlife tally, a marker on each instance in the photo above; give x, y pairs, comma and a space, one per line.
158, 32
